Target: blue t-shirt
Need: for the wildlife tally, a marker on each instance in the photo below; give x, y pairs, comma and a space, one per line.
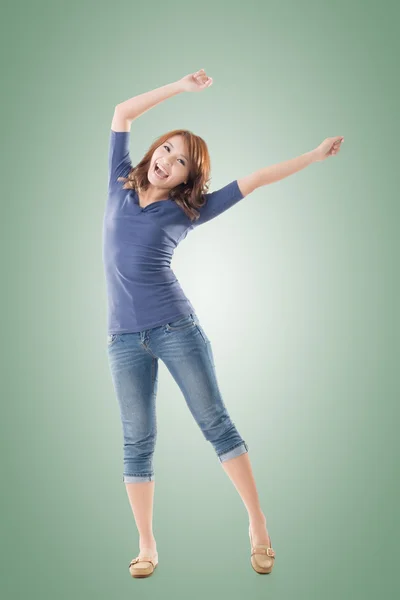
138, 245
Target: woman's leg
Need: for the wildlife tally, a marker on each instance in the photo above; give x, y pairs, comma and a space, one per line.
186, 351
141, 499
135, 375
240, 473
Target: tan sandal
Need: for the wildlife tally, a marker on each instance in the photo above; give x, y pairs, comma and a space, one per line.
262, 556
143, 566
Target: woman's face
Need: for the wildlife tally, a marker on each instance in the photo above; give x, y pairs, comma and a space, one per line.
173, 158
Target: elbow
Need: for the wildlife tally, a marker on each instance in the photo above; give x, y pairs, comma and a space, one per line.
248, 184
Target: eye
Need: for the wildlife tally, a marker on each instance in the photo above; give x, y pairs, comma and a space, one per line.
182, 161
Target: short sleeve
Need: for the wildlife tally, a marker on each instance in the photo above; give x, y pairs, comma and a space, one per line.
218, 202
119, 160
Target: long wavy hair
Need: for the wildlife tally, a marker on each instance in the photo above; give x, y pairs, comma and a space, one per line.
189, 196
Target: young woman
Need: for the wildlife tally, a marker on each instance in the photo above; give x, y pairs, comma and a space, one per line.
151, 208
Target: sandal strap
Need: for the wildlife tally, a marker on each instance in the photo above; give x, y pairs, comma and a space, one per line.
263, 550
142, 559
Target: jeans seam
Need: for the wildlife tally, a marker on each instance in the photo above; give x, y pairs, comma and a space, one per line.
147, 349
138, 474
242, 443
153, 378
201, 333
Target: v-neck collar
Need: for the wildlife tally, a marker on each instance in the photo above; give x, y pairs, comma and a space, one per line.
136, 200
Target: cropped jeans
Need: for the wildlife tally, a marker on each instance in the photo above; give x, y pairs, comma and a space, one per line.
186, 351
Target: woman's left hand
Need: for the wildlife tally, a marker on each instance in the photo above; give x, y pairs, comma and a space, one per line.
329, 147
196, 82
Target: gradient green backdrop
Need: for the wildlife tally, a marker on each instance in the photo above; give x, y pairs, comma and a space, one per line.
295, 286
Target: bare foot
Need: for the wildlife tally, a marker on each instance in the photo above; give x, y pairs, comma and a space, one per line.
147, 547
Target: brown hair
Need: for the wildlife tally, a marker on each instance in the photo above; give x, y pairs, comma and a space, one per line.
190, 196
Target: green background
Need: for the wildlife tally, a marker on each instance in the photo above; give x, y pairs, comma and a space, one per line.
295, 286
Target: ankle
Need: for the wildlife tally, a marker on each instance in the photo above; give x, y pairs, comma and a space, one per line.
258, 517
146, 551
147, 543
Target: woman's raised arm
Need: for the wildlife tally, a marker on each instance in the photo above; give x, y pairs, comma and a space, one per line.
129, 110
136, 106
267, 175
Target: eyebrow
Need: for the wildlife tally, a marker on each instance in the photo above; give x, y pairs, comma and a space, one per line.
180, 154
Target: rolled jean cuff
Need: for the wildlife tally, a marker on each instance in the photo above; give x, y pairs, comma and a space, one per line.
235, 451
138, 478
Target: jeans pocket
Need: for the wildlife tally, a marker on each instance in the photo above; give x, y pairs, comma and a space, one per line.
202, 333
181, 323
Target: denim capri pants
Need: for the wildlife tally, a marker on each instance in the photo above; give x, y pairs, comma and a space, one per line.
186, 351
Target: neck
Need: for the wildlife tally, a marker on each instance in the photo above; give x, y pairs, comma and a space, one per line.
152, 194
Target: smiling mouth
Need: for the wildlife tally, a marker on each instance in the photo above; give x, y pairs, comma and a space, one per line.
160, 173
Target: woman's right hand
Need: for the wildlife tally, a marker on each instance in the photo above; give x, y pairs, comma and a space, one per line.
196, 82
